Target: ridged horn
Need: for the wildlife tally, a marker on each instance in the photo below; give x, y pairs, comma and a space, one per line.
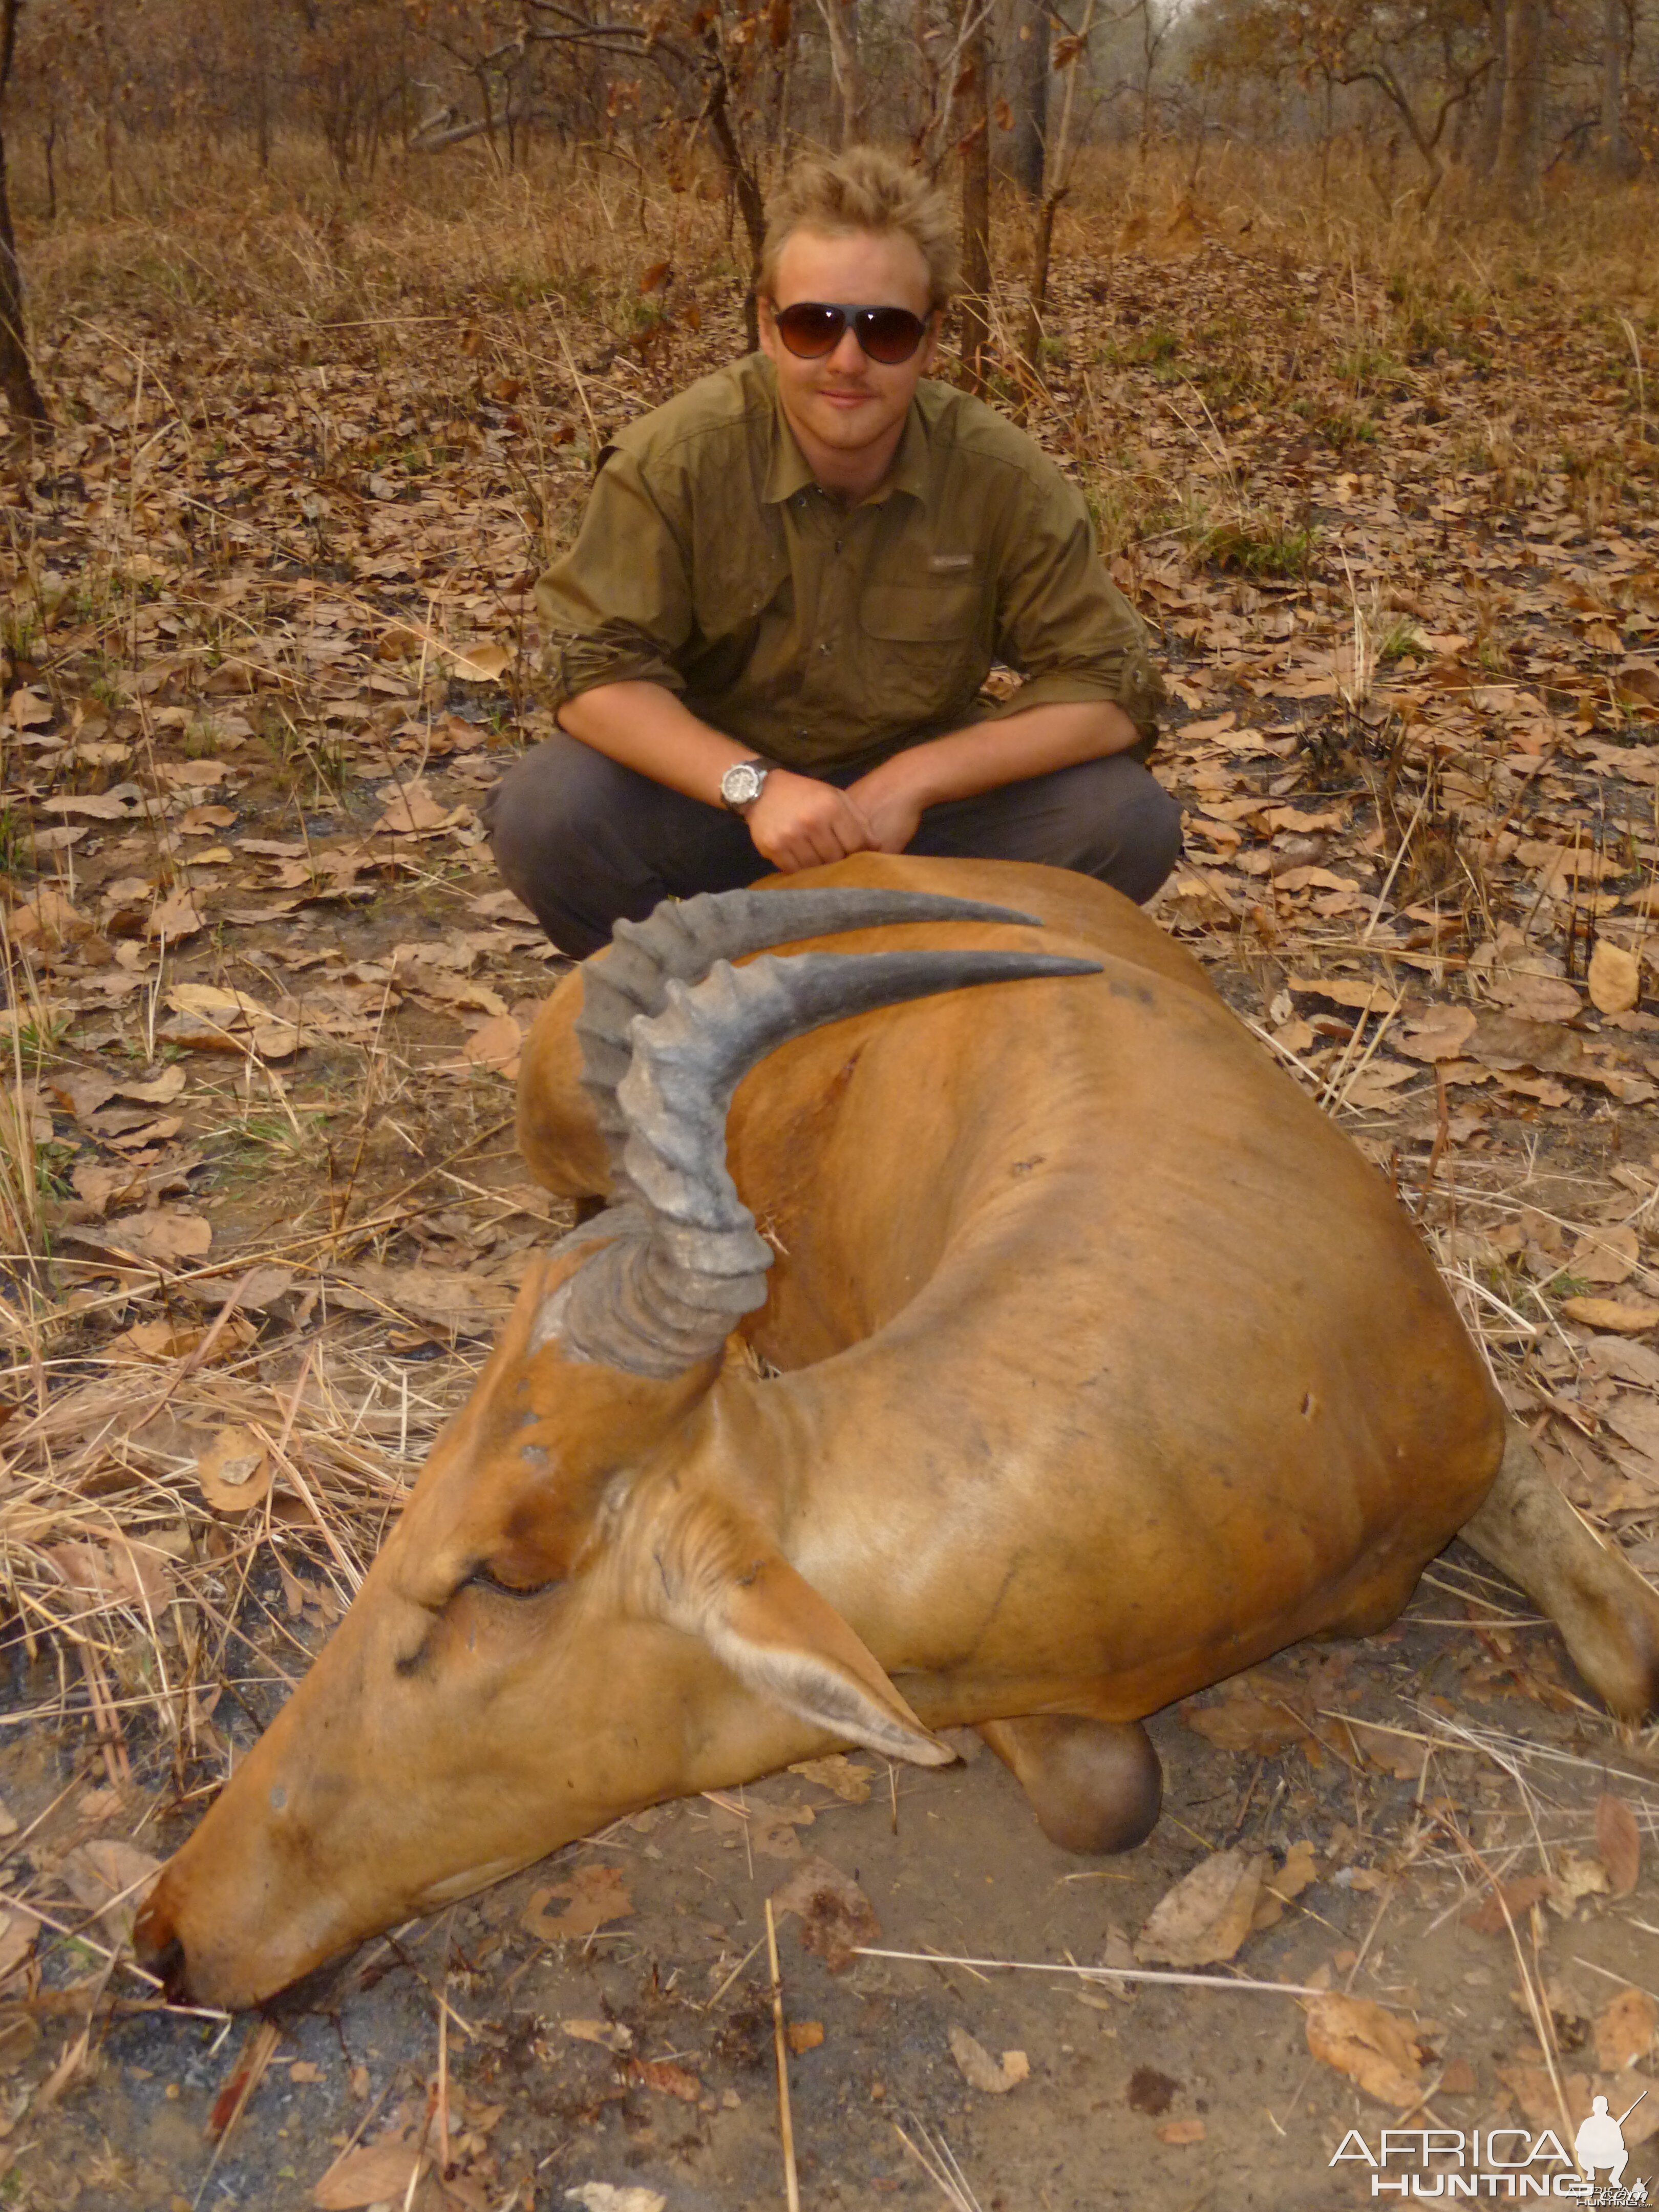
685, 1260
684, 939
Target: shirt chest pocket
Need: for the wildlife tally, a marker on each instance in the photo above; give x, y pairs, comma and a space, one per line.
919, 649
920, 614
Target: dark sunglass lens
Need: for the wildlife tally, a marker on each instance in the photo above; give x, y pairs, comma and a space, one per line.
889, 335
810, 331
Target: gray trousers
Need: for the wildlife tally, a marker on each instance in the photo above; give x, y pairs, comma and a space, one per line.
584, 842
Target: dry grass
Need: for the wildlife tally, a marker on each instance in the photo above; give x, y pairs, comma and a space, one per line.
154, 1618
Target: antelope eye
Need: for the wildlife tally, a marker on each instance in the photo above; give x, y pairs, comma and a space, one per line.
484, 1576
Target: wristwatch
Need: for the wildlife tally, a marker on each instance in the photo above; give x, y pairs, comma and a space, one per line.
743, 784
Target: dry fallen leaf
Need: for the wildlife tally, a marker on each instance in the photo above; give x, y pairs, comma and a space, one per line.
374, 2173
158, 1341
412, 810
1616, 978
234, 1472
1486, 1918
1605, 1255
178, 915
109, 1878
124, 1572
28, 710
848, 1780
496, 1044
597, 1893
610, 2034
165, 1234
1206, 1916
1298, 1873
1181, 2131
1536, 998
606, 2196
667, 2079
1619, 1316
18, 1930
1625, 2031
451, 1297
1441, 1035
1618, 1842
1578, 1876
1536, 2093
100, 1187
804, 2035
1244, 1719
836, 1915
981, 2071
1371, 2046
481, 663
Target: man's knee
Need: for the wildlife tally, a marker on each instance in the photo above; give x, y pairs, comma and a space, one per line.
1115, 822
1138, 839
553, 823
546, 807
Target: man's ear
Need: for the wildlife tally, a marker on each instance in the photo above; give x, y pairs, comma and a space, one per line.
729, 1584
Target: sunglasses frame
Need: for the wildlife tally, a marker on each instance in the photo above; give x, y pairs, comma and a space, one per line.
849, 321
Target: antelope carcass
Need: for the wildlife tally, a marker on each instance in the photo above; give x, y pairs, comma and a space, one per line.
1095, 1364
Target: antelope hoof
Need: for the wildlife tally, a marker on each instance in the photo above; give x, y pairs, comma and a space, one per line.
1608, 1616
1094, 1785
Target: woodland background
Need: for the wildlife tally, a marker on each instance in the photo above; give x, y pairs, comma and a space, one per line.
1345, 319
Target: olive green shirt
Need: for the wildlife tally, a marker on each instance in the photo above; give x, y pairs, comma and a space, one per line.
825, 636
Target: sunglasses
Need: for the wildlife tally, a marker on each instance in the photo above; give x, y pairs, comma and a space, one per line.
812, 328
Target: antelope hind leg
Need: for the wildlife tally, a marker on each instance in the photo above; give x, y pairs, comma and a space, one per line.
1607, 1613
1094, 1785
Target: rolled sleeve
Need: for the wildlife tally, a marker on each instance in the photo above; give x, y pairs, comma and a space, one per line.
1062, 622
616, 608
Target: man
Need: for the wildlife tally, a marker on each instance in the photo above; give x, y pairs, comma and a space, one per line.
790, 583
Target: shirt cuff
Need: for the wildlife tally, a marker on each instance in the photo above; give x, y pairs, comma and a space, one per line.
578, 661
1133, 685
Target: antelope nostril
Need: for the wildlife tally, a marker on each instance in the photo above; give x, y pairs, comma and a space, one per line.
161, 1952
169, 1963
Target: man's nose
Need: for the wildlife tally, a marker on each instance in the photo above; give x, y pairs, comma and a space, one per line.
849, 356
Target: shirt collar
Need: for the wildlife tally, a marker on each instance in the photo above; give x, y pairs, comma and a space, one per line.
787, 473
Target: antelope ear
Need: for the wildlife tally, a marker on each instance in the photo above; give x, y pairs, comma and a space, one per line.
785, 1642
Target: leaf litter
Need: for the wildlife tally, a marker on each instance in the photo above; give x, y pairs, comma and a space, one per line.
267, 1005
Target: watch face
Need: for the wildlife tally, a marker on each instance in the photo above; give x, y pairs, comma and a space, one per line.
741, 785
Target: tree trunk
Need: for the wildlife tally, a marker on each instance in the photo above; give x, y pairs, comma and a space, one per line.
1028, 95
259, 62
1056, 183
746, 193
1521, 127
16, 371
1152, 39
975, 302
841, 21
1614, 156
1492, 97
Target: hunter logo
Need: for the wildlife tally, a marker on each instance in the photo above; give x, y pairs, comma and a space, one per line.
1504, 2163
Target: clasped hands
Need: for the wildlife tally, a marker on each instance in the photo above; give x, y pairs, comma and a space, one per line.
800, 823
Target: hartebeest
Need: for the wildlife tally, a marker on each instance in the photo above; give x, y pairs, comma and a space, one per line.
1108, 1366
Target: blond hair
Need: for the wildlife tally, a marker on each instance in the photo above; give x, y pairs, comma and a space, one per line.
864, 189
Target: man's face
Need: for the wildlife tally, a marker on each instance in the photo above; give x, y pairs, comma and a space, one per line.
846, 402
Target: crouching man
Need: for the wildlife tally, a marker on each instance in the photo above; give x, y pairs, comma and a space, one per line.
790, 583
